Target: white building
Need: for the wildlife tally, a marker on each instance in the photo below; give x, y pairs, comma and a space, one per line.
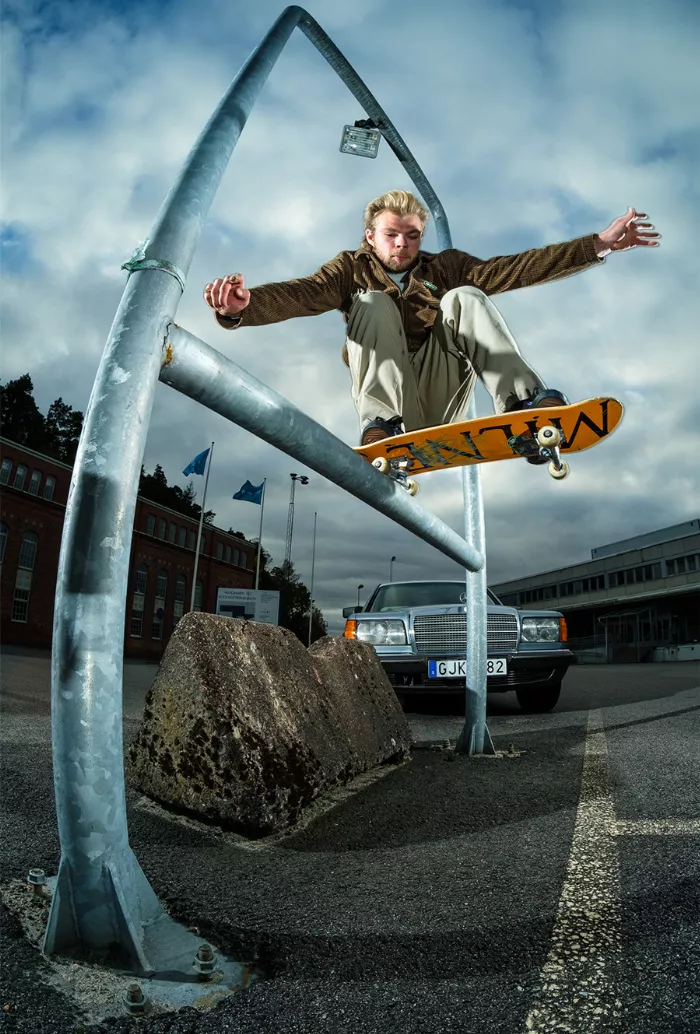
634, 600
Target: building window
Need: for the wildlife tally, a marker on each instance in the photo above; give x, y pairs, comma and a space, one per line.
137, 616
137, 606
20, 476
151, 524
3, 540
49, 486
162, 528
219, 551
172, 532
180, 594
693, 562
244, 560
227, 555
141, 579
27, 554
35, 482
198, 594
235, 557
5, 471
23, 582
597, 581
159, 604
190, 540
181, 536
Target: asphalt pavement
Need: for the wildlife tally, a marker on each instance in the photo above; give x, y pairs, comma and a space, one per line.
551, 888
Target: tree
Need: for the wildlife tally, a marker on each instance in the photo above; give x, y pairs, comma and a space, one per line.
63, 428
156, 488
21, 420
295, 599
56, 435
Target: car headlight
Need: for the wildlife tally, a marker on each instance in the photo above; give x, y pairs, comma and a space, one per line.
381, 633
541, 630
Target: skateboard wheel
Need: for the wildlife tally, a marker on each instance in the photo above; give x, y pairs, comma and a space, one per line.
381, 463
412, 486
548, 436
560, 474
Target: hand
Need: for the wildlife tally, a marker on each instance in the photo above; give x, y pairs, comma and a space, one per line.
627, 232
228, 296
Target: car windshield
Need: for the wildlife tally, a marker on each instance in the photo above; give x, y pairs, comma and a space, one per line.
400, 595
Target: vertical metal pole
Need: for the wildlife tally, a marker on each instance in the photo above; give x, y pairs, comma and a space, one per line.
475, 737
262, 507
391, 569
311, 590
199, 531
290, 522
102, 896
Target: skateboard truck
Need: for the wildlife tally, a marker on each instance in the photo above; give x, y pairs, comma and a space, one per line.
545, 444
398, 469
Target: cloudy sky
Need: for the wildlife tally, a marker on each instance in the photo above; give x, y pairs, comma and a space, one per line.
534, 122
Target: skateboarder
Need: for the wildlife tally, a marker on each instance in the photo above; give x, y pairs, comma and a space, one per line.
420, 327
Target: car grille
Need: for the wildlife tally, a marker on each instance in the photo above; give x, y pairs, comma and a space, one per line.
441, 634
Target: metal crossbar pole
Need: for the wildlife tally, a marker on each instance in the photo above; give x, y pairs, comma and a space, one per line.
102, 897
197, 370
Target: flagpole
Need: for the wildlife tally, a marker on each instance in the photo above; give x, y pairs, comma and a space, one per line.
311, 592
199, 533
262, 507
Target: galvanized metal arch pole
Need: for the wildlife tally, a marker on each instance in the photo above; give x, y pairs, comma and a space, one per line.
102, 897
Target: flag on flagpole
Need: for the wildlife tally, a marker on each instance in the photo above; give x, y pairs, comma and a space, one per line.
198, 464
248, 493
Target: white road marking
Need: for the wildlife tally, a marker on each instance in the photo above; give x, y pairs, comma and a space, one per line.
657, 827
575, 993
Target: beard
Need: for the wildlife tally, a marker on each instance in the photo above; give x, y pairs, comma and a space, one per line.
396, 261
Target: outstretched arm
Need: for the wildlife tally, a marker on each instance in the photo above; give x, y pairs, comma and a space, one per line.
556, 261
323, 291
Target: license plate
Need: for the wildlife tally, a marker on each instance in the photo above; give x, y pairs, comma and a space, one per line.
458, 669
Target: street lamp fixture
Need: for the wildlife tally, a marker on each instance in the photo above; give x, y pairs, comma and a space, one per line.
361, 139
391, 569
358, 595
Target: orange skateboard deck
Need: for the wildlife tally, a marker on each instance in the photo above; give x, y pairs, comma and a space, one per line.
548, 433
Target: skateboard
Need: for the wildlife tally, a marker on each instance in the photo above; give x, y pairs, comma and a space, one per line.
545, 433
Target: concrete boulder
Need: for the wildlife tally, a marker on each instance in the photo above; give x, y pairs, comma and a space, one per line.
244, 727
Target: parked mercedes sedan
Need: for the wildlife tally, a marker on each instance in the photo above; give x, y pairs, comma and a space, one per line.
419, 630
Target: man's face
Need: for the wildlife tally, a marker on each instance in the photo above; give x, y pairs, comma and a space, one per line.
395, 239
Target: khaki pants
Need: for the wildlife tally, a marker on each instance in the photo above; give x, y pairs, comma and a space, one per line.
434, 385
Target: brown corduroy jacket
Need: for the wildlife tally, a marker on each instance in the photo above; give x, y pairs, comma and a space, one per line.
336, 283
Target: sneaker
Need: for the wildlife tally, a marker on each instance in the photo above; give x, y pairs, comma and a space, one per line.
542, 399
545, 398
379, 428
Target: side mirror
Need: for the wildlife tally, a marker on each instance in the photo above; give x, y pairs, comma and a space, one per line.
349, 611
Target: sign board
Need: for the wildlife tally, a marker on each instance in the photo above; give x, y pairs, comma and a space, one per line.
261, 605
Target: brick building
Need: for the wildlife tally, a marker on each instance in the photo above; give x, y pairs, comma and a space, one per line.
161, 566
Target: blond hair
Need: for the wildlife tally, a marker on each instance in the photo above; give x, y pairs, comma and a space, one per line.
400, 202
